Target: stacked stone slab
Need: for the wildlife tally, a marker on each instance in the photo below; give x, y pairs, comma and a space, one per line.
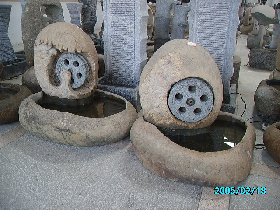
162, 22
88, 16
6, 49
125, 38
213, 25
179, 22
34, 20
75, 12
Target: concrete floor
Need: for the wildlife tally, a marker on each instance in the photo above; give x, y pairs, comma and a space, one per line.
38, 174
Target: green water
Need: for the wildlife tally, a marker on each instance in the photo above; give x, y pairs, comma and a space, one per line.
221, 135
100, 107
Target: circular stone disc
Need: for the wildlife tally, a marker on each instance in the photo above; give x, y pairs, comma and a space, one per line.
76, 64
191, 99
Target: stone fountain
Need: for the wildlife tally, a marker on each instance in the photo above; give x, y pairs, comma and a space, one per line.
70, 109
182, 135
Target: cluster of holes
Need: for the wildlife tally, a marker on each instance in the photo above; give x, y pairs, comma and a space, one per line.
76, 64
190, 101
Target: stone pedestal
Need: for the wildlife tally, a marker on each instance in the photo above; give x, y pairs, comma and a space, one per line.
125, 38
75, 12
213, 25
6, 49
179, 23
37, 15
162, 22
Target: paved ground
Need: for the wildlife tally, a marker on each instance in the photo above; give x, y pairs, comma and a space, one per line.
38, 174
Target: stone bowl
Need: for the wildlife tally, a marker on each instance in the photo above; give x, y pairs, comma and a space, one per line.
71, 129
11, 95
170, 160
267, 99
271, 140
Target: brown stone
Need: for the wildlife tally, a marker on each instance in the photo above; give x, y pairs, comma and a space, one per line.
271, 140
30, 81
168, 159
51, 43
267, 99
36, 16
71, 129
9, 106
175, 61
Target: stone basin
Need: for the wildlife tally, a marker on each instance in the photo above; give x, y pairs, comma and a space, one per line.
79, 128
267, 99
271, 140
167, 159
11, 95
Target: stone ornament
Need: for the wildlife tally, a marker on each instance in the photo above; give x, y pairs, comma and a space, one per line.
9, 106
170, 160
66, 61
271, 140
181, 61
71, 129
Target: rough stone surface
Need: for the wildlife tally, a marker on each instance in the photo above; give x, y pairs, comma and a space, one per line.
6, 49
179, 22
9, 106
271, 140
166, 158
267, 99
236, 67
75, 12
125, 38
30, 81
177, 60
213, 25
67, 128
54, 40
276, 32
162, 22
37, 15
88, 15
1, 69
263, 59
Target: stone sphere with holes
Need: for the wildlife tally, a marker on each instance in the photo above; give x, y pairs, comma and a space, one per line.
66, 61
181, 87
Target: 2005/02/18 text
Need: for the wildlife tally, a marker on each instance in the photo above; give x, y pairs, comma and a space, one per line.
239, 190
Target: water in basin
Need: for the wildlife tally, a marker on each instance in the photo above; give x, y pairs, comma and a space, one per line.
221, 135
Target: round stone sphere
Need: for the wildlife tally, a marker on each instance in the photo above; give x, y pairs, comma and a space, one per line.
181, 87
65, 61
271, 140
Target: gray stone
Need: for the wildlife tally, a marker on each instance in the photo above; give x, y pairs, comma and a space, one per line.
23, 2
162, 22
125, 38
213, 25
179, 22
263, 59
6, 49
88, 15
37, 15
276, 32
75, 12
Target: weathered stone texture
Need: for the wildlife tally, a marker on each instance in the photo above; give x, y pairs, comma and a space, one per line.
51, 43
271, 140
75, 12
177, 60
37, 15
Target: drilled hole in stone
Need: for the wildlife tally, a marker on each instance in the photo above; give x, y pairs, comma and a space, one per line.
178, 96
182, 109
66, 62
75, 63
192, 88
190, 101
197, 111
204, 98
79, 75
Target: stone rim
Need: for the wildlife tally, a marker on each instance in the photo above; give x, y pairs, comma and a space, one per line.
56, 126
167, 159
